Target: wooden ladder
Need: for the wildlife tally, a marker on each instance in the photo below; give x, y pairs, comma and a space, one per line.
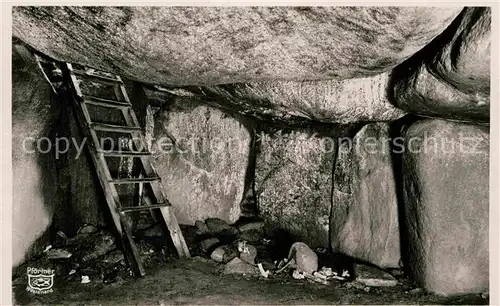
99, 155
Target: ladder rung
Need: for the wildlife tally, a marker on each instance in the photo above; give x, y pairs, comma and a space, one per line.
135, 180
97, 77
105, 102
123, 153
144, 207
114, 128
108, 183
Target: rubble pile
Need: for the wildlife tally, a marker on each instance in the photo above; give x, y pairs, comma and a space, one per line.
248, 249
94, 256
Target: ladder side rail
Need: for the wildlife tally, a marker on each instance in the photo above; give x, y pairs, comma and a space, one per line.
157, 188
111, 194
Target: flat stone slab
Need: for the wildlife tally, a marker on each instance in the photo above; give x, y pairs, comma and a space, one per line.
374, 277
238, 266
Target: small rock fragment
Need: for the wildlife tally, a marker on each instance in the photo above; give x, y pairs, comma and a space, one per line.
60, 239
247, 252
305, 258
85, 279
207, 244
238, 266
216, 225
201, 227
251, 235
415, 291
102, 243
371, 276
87, 229
114, 257
258, 225
297, 274
224, 254
58, 254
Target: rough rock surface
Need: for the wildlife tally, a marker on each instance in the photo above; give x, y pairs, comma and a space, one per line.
293, 181
216, 225
364, 218
446, 189
201, 227
333, 101
202, 156
34, 173
214, 45
238, 266
455, 83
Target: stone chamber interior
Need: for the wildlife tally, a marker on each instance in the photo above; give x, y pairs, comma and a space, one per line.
312, 155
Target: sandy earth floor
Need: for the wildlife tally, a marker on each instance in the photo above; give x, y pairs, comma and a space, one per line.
197, 281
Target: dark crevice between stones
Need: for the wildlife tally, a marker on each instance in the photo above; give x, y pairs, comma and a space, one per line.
332, 204
336, 258
67, 119
249, 207
248, 204
64, 217
395, 132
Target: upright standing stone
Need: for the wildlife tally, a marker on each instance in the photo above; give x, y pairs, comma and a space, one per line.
364, 221
293, 181
446, 179
34, 178
202, 157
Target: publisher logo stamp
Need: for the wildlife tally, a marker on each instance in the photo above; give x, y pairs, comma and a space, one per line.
40, 281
